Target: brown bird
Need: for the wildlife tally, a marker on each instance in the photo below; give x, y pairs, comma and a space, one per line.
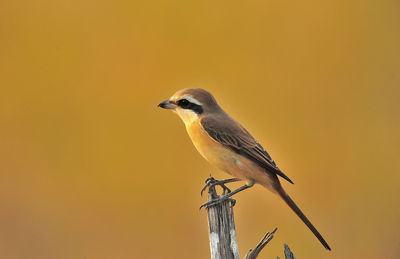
226, 144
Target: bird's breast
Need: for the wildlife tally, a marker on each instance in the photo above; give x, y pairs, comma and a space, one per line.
217, 154
227, 160
210, 149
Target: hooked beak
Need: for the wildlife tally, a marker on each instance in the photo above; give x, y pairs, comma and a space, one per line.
167, 104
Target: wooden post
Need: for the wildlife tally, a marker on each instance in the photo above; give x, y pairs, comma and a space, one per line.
222, 232
221, 226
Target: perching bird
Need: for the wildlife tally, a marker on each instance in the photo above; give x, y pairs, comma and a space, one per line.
224, 143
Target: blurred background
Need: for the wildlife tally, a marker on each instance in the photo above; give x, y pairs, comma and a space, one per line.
91, 168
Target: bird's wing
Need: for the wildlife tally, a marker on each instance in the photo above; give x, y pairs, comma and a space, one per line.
233, 136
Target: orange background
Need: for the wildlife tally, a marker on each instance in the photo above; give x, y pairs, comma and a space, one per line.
91, 168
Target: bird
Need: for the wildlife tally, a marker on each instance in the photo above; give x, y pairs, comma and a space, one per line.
227, 145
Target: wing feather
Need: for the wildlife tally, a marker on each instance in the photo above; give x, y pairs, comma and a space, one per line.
239, 140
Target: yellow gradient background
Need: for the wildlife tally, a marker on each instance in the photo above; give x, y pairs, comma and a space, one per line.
91, 168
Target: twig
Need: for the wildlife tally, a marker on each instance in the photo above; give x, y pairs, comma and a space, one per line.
253, 253
288, 253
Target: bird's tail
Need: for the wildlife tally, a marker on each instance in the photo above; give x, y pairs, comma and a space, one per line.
299, 213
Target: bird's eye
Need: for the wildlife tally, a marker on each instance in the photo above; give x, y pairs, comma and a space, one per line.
183, 103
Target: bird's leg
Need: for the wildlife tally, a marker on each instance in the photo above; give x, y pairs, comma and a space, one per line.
211, 183
227, 196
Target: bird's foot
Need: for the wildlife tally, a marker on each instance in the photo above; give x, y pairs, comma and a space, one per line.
226, 196
218, 201
211, 182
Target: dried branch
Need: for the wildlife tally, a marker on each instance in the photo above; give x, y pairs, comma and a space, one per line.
253, 253
288, 253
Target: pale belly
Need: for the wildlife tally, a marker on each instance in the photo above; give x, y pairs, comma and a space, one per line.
226, 160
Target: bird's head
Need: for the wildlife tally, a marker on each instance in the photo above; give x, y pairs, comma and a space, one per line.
190, 104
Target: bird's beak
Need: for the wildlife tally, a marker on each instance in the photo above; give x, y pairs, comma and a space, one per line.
167, 104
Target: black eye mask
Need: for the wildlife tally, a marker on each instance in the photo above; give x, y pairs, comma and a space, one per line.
185, 104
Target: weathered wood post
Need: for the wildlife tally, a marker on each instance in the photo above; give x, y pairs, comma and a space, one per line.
221, 226
222, 232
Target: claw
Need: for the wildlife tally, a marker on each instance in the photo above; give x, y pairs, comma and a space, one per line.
226, 196
208, 182
210, 179
211, 182
218, 201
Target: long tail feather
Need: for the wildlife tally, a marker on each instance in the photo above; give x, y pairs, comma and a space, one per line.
299, 213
